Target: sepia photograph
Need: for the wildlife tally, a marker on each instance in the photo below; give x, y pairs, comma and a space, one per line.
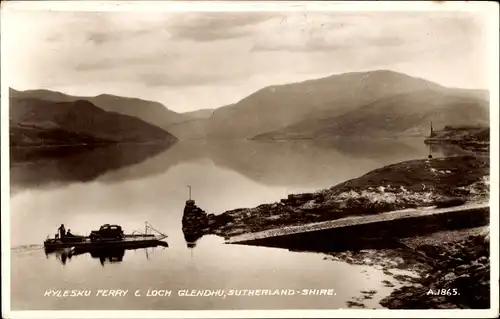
249, 158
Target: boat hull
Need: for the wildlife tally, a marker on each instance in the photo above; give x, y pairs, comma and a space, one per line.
128, 242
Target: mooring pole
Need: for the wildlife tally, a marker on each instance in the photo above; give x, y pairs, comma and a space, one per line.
189, 186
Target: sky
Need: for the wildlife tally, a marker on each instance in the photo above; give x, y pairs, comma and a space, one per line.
197, 60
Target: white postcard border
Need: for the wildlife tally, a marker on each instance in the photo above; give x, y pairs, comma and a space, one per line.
490, 11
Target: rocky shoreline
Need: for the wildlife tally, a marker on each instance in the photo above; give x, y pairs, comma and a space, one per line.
469, 138
411, 184
457, 276
444, 270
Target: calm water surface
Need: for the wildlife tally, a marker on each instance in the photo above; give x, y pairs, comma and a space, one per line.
131, 184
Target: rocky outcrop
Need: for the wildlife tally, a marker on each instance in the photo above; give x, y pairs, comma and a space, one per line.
459, 277
194, 221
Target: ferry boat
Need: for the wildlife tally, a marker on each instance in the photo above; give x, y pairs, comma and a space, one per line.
108, 236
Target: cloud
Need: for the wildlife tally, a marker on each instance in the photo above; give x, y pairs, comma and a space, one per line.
322, 44
215, 26
331, 32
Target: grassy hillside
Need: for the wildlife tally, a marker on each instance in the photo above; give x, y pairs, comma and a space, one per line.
279, 106
35, 122
152, 112
407, 114
375, 103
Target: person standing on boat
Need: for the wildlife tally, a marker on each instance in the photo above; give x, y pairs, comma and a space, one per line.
62, 231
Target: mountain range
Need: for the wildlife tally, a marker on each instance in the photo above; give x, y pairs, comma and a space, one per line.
407, 114
149, 111
375, 103
40, 122
358, 104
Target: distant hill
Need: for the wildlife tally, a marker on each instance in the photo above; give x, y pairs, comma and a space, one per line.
35, 122
152, 112
199, 114
374, 103
276, 107
191, 130
196, 127
407, 114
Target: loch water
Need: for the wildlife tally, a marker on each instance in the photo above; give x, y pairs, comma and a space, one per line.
85, 187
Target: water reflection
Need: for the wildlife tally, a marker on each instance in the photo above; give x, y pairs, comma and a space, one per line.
104, 255
61, 255
32, 167
284, 163
108, 255
191, 239
300, 163
327, 246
